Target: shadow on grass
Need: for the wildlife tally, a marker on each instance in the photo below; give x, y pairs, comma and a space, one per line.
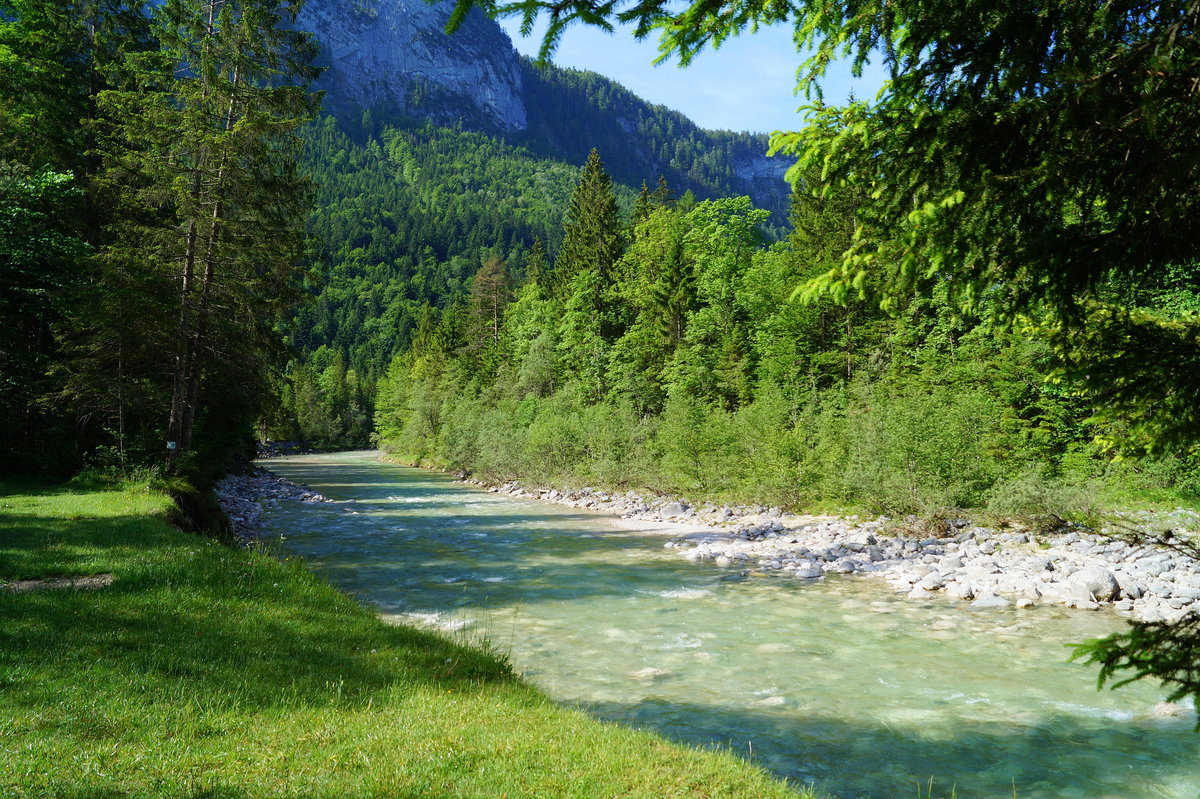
212, 792
187, 618
33, 546
1055, 756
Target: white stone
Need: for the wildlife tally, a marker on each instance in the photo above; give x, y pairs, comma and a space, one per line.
989, 601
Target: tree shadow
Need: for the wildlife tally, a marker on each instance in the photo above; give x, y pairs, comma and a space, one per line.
1050, 758
211, 620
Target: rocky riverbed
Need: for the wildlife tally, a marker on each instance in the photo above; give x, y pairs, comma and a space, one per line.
244, 497
1151, 577
1148, 576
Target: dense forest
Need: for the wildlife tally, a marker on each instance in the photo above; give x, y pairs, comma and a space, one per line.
406, 212
152, 228
572, 111
663, 349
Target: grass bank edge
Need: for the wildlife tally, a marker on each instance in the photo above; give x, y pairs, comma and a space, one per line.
207, 670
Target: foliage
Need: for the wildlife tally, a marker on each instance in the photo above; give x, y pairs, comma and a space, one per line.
1034, 164
174, 119
715, 384
39, 268
406, 212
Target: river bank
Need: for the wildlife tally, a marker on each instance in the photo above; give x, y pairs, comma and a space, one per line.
196, 669
839, 683
1147, 576
1137, 574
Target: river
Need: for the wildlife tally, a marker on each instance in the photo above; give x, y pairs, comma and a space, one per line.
840, 683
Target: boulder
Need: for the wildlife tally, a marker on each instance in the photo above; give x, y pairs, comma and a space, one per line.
957, 590
1130, 587
989, 601
950, 563
932, 581
1186, 593
673, 509
1099, 583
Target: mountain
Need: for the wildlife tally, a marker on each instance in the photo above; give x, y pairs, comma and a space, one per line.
393, 58
440, 153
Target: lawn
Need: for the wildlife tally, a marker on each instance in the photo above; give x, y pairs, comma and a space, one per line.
205, 671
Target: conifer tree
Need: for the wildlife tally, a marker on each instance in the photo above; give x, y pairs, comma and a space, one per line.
663, 196
199, 145
591, 235
491, 292
535, 262
641, 207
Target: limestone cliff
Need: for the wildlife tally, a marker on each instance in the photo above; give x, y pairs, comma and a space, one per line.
393, 56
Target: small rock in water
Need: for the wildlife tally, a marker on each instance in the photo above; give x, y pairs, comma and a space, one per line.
1172, 710
989, 601
649, 673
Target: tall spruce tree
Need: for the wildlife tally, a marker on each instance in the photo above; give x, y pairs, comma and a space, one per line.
592, 233
200, 147
535, 262
491, 292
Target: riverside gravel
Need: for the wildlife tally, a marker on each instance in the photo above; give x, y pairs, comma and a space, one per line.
1150, 576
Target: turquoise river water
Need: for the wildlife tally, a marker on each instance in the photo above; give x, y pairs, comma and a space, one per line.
841, 684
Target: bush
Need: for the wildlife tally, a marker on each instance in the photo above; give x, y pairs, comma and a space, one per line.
1043, 503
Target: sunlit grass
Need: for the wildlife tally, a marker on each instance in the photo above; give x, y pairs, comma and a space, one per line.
205, 671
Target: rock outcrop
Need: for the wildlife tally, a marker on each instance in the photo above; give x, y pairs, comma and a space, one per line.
394, 56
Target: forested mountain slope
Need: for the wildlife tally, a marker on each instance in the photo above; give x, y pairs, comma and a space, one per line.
439, 152
571, 111
393, 59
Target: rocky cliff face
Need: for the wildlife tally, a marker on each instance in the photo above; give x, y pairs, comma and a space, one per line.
392, 55
765, 176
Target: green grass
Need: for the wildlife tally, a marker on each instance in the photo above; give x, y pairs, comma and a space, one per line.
208, 672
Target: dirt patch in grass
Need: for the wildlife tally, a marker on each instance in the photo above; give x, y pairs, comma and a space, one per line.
89, 582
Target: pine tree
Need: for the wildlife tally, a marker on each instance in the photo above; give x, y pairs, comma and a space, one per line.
200, 145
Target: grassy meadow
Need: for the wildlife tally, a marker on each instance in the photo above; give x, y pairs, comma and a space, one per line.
204, 671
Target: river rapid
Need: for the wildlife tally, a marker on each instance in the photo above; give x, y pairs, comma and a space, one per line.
840, 683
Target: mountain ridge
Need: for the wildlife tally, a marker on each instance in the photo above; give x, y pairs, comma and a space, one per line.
393, 58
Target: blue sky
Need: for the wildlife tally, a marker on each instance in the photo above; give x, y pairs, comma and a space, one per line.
748, 84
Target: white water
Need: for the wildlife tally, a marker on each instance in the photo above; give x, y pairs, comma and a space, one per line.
842, 683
